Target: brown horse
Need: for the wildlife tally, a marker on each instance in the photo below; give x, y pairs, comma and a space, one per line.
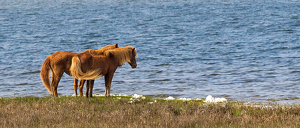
90, 67
60, 62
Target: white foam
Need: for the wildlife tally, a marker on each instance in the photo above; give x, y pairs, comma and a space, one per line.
150, 102
104, 95
185, 99
170, 98
137, 96
210, 99
98, 95
121, 95
77, 95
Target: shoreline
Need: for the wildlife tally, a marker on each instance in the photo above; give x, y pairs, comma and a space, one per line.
170, 98
281, 101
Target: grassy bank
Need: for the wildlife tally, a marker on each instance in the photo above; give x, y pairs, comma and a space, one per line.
143, 112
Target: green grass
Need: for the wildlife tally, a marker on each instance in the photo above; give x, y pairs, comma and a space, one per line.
118, 111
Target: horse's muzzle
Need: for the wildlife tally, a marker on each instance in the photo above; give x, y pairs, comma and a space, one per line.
134, 66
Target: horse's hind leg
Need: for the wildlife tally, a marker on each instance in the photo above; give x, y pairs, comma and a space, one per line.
81, 83
75, 86
54, 83
91, 87
87, 88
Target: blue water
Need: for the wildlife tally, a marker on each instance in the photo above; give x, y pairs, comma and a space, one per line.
238, 49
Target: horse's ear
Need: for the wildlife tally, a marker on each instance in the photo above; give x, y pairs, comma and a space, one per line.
117, 46
134, 52
110, 54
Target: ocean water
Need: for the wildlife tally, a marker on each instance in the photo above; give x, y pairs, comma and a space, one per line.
243, 50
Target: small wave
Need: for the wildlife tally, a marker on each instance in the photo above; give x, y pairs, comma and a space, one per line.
33, 72
23, 84
162, 64
159, 71
296, 24
93, 35
160, 80
295, 72
290, 98
294, 17
214, 74
34, 13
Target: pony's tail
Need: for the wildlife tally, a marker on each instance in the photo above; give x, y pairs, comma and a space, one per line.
45, 74
77, 73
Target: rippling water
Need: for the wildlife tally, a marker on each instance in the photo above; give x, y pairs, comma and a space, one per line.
240, 50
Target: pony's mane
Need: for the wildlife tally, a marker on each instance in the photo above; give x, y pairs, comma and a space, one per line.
102, 50
122, 55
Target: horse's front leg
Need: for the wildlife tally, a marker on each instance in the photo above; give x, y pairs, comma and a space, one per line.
75, 86
108, 79
81, 83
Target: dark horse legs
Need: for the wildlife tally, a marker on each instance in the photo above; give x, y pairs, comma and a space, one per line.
89, 88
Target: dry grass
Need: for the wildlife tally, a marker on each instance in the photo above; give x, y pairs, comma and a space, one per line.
111, 112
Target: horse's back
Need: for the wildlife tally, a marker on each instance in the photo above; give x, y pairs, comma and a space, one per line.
93, 62
62, 60
62, 53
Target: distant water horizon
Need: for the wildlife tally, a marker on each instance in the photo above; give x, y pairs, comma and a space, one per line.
237, 49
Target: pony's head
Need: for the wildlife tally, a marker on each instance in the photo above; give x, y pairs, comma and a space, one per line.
123, 55
132, 62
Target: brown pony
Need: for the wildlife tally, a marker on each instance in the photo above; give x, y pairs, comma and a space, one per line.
90, 67
60, 62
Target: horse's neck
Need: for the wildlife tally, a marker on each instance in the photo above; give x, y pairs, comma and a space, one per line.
116, 61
